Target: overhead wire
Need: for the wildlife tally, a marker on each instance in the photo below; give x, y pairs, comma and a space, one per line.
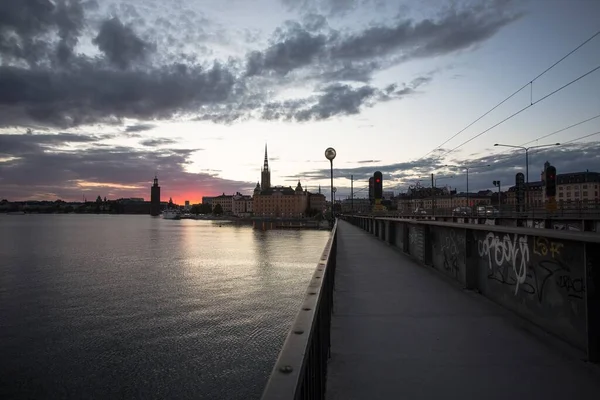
549, 134
583, 137
530, 83
505, 162
521, 110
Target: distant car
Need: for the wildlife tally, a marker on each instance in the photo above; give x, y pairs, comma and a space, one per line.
419, 211
461, 211
491, 211
480, 211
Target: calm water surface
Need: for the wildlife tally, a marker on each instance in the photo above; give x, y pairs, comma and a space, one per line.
137, 307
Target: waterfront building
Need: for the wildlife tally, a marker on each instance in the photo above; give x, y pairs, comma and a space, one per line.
225, 201
155, 198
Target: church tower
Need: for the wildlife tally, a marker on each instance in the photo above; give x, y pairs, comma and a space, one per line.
265, 174
155, 198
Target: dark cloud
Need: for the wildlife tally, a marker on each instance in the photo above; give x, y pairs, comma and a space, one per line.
390, 172
88, 94
120, 44
35, 165
157, 142
24, 25
139, 127
43, 82
295, 47
367, 161
329, 7
360, 53
16, 145
337, 99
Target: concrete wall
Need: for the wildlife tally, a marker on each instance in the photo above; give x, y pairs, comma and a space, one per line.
547, 276
539, 278
449, 252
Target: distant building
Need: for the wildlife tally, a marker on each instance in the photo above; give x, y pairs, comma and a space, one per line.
241, 204
371, 190
317, 201
278, 201
225, 201
357, 206
187, 207
155, 198
207, 200
387, 195
577, 187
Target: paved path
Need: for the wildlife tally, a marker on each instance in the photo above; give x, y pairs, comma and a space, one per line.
402, 331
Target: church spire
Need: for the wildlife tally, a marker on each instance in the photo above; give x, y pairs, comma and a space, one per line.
265, 175
266, 163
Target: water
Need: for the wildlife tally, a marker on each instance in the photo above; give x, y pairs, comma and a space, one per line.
105, 306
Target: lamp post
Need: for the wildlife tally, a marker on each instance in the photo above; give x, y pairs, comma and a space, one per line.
527, 162
467, 168
330, 155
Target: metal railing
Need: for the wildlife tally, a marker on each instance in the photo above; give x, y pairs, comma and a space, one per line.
301, 368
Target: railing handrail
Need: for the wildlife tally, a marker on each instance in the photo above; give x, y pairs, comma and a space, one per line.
287, 379
589, 237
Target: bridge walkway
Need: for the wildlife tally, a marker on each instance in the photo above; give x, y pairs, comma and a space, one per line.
402, 331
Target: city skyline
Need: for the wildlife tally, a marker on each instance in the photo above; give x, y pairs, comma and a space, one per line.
385, 85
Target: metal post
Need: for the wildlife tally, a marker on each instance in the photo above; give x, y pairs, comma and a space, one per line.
499, 195
527, 178
468, 205
351, 194
433, 194
332, 203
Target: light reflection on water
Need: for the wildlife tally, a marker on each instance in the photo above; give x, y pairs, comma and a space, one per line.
132, 306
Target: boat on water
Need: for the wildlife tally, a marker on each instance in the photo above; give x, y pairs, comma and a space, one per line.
171, 214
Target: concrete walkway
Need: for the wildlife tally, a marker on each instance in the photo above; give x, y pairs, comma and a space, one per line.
402, 331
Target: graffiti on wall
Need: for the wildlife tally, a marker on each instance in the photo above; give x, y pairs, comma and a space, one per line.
416, 242
449, 244
533, 265
568, 226
412, 236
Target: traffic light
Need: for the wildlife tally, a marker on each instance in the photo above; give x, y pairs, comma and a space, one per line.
377, 185
550, 181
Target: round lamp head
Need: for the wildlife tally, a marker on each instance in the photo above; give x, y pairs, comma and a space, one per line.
330, 153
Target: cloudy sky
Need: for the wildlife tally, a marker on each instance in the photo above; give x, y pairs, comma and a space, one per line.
96, 96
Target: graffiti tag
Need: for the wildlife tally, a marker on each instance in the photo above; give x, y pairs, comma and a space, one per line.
506, 250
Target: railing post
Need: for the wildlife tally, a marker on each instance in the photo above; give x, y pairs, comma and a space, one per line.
471, 272
592, 285
427, 245
391, 232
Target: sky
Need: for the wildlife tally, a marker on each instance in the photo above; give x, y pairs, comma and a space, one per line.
96, 97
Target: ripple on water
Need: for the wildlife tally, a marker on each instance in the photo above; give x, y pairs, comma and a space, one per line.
132, 306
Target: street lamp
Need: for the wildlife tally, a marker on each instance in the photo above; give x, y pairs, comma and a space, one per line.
527, 162
330, 155
467, 168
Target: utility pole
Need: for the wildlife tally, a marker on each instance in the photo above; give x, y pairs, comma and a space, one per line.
433, 194
351, 194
